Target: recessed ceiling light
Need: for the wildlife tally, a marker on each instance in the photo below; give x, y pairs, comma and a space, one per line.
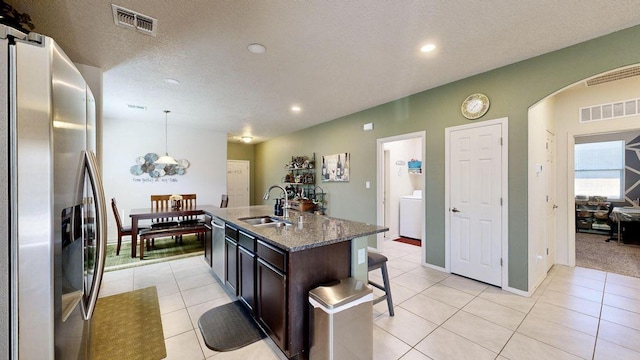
246, 139
256, 48
428, 48
295, 108
172, 81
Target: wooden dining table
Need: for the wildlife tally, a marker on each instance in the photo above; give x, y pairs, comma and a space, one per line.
148, 213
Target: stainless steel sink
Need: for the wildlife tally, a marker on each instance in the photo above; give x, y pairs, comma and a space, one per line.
265, 221
274, 224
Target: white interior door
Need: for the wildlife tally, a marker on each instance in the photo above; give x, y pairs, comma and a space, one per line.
238, 182
475, 199
551, 206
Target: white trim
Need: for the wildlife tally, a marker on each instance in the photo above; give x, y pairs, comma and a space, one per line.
517, 291
505, 194
434, 267
380, 183
571, 196
571, 202
539, 281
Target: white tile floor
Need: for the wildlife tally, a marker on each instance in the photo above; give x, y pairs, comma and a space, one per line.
577, 313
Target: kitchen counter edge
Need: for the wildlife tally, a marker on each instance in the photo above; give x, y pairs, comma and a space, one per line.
313, 231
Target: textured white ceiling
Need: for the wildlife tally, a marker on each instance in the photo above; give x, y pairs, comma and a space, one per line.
332, 58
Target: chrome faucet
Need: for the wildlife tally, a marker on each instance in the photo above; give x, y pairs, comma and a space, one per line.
285, 207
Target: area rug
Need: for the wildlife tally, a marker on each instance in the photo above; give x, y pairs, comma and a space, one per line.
229, 327
165, 249
128, 326
409, 241
592, 251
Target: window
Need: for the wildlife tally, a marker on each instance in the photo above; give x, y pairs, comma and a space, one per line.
599, 169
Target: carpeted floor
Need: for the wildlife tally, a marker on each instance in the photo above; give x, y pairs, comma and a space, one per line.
593, 252
128, 326
165, 249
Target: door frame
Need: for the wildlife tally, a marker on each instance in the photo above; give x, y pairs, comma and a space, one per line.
381, 169
571, 196
551, 222
505, 193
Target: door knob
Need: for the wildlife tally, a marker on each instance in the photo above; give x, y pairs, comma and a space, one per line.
455, 210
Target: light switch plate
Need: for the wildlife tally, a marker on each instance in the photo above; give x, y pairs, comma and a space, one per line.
367, 184
361, 256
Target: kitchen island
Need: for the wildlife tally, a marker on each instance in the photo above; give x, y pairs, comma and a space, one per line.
272, 262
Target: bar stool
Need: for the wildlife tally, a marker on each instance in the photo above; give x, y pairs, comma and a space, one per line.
379, 261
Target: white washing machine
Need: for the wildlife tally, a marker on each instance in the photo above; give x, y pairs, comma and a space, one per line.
411, 215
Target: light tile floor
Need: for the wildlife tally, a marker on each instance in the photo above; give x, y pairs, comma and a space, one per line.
577, 313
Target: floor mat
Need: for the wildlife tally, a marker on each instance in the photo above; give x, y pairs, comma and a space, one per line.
415, 242
128, 326
229, 327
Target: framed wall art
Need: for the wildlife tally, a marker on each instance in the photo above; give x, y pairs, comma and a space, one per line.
146, 165
335, 168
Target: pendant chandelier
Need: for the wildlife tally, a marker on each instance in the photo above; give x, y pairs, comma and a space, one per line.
166, 159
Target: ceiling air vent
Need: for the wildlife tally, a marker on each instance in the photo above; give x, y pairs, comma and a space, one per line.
614, 75
133, 20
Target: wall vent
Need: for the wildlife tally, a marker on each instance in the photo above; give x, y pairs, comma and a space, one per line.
614, 76
610, 111
132, 20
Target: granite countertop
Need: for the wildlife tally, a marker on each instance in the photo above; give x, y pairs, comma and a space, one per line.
313, 231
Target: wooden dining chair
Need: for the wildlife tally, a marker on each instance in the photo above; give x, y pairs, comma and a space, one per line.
189, 201
122, 230
162, 203
225, 201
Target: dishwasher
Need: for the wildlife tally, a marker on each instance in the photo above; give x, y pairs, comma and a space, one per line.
218, 250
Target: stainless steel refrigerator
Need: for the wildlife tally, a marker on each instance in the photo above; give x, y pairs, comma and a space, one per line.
53, 213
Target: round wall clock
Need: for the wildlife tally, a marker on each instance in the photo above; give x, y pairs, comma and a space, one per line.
475, 106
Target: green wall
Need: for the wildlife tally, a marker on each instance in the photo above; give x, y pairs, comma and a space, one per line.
512, 90
240, 151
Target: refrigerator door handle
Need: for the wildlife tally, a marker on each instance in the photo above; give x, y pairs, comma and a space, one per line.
101, 230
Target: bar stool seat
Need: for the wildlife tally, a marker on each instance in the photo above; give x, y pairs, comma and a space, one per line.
379, 261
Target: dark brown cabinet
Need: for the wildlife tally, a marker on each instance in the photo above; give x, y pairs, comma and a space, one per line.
274, 283
231, 278
247, 270
272, 292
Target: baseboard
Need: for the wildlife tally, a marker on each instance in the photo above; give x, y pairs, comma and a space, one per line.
505, 288
537, 284
517, 291
435, 267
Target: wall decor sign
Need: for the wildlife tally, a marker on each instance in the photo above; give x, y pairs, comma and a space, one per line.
335, 167
145, 165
